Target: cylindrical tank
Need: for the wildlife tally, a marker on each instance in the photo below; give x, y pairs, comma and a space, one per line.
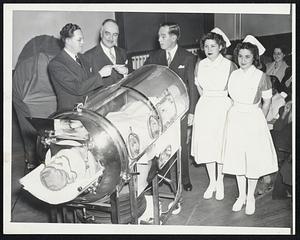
118, 124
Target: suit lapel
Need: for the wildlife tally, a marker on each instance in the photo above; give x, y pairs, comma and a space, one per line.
118, 56
72, 64
82, 63
120, 59
176, 59
101, 53
163, 58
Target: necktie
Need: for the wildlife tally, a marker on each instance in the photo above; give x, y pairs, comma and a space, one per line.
112, 56
78, 60
169, 59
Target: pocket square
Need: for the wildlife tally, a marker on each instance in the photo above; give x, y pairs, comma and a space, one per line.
181, 66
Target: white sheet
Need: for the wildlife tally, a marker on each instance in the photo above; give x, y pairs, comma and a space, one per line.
33, 184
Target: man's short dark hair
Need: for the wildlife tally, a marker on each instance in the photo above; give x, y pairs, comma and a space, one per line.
173, 28
68, 31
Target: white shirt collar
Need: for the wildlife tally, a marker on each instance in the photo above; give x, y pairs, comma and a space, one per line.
278, 64
208, 62
249, 71
72, 55
107, 50
172, 51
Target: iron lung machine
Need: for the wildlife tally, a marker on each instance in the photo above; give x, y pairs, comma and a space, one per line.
122, 134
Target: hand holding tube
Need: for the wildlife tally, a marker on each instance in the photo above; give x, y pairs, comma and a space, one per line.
122, 69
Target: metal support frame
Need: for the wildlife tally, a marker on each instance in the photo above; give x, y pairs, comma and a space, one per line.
175, 177
133, 197
115, 207
58, 213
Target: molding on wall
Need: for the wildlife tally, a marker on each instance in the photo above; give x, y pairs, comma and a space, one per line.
237, 26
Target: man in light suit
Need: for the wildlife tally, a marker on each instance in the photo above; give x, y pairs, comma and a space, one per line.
183, 63
70, 74
107, 52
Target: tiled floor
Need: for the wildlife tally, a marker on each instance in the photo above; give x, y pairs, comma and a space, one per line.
195, 210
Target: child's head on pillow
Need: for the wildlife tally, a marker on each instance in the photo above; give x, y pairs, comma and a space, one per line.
58, 174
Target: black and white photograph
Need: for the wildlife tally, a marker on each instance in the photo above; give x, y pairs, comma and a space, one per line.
149, 118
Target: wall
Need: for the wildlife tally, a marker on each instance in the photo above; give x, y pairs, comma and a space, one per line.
139, 29
192, 26
226, 22
254, 24
28, 24
263, 24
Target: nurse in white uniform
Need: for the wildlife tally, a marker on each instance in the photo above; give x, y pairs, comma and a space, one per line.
211, 78
249, 152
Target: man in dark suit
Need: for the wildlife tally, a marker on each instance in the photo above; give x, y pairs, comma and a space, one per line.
183, 63
107, 52
70, 74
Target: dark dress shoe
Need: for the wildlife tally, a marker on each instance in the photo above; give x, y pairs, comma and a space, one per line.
188, 187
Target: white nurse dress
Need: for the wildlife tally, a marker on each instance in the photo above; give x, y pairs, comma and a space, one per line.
211, 109
248, 146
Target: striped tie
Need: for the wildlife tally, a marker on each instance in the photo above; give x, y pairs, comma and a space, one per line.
78, 60
112, 56
169, 59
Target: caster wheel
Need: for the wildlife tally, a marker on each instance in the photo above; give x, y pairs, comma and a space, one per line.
177, 209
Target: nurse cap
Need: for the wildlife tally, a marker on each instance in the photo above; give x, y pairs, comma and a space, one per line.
253, 40
219, 31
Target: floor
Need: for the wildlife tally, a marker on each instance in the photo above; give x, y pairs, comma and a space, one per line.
195, 210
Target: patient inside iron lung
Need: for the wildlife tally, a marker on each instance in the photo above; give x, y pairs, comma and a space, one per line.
137, 118
68, 166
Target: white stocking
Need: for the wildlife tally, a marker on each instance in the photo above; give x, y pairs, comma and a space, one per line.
220, 183
250, 205
241, 181
220, 173
237, 206
211, 169
251, 188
